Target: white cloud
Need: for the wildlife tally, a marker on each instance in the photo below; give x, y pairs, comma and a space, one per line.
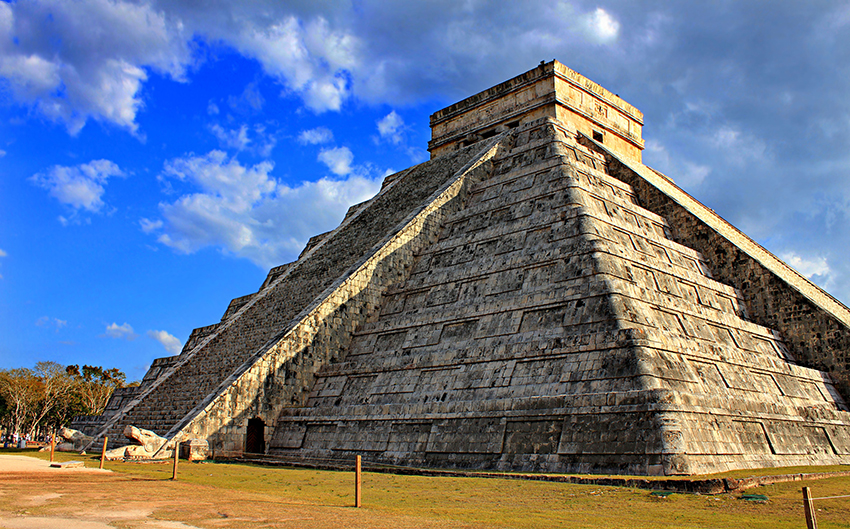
600, 26
739, 148
685, 173
266, 141
326, 94
54, 323
246, 212
325, 54
170, 342
150, 226
694, 174
2, 153
223, 177
390, 127
726, 137
80, 186
250, 100
2, 253
231, 139
811, 267
309, 58
121, 332
93, 73
100, 74
655, 150
338, 160
256, 139
316, 136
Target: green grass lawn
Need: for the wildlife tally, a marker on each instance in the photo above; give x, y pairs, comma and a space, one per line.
493, 502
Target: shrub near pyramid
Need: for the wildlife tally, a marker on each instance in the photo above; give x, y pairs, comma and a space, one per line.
531, 298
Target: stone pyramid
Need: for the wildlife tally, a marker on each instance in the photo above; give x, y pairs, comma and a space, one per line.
531, 298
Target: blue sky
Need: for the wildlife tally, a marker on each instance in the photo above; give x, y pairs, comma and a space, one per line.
157, 158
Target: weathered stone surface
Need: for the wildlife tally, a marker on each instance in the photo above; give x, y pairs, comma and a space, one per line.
815, 326
147, 445
116, 453
75, 440
146, 439
194, 449
529, 299
550, 90
65, 447
67, 464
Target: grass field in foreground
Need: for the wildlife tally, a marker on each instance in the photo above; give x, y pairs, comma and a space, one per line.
417, 501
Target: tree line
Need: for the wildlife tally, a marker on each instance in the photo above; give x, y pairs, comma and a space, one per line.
41, 399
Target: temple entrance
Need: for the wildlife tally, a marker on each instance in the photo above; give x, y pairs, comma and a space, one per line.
255, 438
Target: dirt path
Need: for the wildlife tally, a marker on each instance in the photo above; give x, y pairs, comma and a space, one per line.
15, 463
30, 486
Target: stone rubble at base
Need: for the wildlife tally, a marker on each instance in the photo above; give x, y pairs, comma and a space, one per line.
531, 298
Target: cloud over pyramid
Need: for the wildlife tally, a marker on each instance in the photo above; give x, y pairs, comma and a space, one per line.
531, 298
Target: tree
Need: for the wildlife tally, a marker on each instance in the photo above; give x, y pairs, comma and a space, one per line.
55, 385
52, 394
20, 389
5, 415
95, 385
65, 410
4, 410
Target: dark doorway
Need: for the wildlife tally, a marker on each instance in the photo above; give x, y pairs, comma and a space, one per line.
255, 439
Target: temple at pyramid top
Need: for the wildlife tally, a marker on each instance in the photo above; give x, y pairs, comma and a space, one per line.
550, 90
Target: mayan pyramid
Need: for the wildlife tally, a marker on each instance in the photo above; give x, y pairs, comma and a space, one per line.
531, 298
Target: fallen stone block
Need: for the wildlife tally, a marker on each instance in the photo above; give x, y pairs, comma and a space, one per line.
68, 464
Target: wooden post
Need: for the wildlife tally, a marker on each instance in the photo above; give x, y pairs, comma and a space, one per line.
176, 457
103, 452
357, 481
808, 507
52, 445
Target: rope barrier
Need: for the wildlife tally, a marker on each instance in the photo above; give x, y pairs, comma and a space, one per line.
831, 497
